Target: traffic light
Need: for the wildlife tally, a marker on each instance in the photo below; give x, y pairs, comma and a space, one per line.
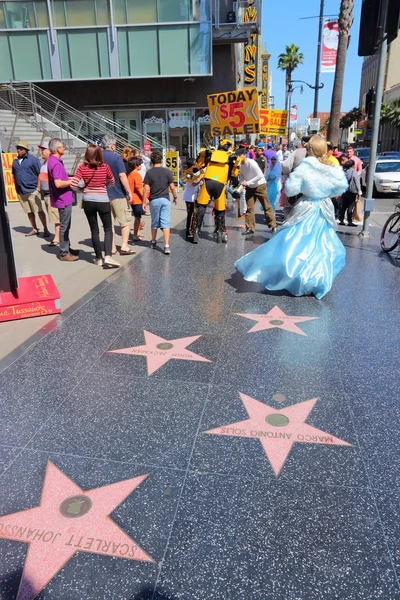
370, 100
370, 29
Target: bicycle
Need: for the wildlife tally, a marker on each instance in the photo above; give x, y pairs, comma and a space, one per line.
390, 236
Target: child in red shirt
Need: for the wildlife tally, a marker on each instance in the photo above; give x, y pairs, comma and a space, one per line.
136, 185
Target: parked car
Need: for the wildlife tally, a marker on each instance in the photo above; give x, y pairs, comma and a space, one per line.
389, 154
386, 176
363, 154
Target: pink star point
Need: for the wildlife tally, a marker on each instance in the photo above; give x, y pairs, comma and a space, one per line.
69, 520
276, 319
278, 429
159, 351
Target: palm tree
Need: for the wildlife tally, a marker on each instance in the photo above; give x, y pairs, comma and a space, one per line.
345, 23
288, 62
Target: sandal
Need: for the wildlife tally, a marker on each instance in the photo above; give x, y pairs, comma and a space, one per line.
127, 252
32, 233
53, 243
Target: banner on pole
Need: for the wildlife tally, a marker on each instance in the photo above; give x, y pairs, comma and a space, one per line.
330, 41
264, 80
273, 122
293, 115
233, 113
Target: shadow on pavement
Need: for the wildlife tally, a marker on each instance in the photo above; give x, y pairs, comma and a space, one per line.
83, 255
10, 583
242, 286
147, 593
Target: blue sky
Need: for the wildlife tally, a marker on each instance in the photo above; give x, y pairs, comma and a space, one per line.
282, 26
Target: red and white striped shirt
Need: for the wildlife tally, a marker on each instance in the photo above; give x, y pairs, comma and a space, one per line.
96, 180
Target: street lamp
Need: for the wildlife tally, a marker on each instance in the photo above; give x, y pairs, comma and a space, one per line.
312, 87
290, 92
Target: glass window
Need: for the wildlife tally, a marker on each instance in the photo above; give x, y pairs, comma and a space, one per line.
58, 13
42, 16
80, 12
102, 12
120, 12
143, 51
26, 53
19, 15
200, 49
6, 72
142, 11
2, 18
173, 10
174, 50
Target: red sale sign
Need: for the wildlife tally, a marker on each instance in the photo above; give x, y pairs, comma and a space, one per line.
330, 41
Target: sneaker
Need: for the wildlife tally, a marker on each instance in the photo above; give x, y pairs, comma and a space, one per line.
342, 223
98, 262
68, 258
248, 232
351, 225
74, 252
110, 262
153, 244
274, 230
167, 250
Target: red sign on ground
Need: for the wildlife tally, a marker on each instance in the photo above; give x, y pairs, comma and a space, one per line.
37, 296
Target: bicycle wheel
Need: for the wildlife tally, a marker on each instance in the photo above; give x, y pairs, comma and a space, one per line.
390, 237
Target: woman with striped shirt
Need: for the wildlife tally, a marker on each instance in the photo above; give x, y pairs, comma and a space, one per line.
97, 174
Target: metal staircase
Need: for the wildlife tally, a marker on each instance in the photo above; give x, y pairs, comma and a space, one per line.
27, 112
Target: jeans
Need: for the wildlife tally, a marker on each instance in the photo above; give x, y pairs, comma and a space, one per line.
65, 225
189, 210
103, 209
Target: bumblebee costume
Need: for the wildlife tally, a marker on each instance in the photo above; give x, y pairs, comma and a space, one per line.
216, 167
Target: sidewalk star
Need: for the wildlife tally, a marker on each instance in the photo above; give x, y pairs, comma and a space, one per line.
277, 318
159, 351
278, 430
69, 520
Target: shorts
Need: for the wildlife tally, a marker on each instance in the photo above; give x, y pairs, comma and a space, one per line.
52, 212
160, 211
31, 202
137, 211
121, 210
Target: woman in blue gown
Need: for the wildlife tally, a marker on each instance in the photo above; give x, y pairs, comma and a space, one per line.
305, 255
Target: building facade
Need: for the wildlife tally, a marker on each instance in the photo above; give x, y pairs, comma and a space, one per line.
148, 64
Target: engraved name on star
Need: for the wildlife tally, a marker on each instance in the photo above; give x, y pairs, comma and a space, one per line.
69, 520
278, 429
276, 318
159, 351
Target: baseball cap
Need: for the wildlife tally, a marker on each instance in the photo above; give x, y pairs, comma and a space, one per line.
43, 146
22, 144
261, 145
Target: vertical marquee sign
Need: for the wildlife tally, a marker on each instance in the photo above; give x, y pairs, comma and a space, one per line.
250, 49
264, 80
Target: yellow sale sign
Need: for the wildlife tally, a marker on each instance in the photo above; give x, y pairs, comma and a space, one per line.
11, 192
172, 163
273, 122
233, 113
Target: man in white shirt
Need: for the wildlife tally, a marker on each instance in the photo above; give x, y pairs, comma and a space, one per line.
252, 179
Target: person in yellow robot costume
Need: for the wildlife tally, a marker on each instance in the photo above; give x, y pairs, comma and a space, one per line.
217, 165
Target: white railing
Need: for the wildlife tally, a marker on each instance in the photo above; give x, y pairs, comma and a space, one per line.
31, 100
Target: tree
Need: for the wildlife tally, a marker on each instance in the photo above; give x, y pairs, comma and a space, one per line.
288, 62
325, 126
345, 23
348, 119
390, 113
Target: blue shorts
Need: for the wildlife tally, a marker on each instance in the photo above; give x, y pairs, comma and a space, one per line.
160, 211
137, 211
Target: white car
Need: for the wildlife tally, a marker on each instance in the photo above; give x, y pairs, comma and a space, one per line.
386, 176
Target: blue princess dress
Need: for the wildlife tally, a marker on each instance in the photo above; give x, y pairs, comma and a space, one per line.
305, 255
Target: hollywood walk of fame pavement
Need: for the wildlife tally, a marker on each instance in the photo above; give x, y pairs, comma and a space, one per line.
156, 445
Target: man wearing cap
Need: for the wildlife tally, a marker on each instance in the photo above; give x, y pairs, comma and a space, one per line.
25, 170
52, 212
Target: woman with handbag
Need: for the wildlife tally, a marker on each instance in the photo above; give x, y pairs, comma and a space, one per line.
351, 195
96, 174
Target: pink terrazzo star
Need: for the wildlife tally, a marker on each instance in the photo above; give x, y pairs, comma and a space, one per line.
159, 351
69, 520
278, 430
276, 318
